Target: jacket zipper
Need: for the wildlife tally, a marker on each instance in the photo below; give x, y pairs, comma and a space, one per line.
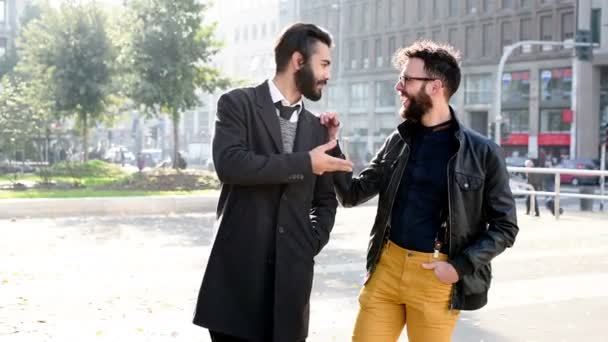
450, 182
394, 194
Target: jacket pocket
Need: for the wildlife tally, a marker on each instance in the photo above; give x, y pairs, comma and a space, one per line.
467, 182
479, 281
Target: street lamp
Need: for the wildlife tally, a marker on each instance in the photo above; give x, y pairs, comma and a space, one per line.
507, 51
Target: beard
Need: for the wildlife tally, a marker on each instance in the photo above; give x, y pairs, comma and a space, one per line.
417, 106
307, 83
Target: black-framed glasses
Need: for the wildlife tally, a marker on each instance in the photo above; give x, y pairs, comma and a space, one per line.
404, 79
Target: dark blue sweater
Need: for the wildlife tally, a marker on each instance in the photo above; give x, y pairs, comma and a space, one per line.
422, 195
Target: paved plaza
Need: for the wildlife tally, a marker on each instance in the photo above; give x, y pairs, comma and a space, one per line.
135, 278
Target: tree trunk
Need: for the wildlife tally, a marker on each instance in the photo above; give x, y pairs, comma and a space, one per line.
85, 137
175, 120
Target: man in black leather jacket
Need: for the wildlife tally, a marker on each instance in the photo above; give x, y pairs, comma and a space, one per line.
445, 208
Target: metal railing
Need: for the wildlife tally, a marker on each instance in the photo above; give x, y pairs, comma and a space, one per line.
557, 193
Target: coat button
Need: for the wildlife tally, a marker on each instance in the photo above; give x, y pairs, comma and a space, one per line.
284, 197
281, 230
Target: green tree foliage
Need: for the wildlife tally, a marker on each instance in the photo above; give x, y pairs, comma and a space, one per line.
168, 54
70, 48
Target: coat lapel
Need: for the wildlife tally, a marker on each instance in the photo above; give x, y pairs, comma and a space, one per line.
267, 112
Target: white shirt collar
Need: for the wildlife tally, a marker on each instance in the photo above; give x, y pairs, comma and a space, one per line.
277, 96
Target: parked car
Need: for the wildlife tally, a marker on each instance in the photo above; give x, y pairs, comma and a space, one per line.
580, 164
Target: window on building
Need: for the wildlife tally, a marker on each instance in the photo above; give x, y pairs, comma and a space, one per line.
3, 46
405, 41
392, 41
420, 8
379, 13
379, 56
263, 31
488, 5
552, 121
516, 86
506, 29
392, 13
254, 32
487, 40
436, 10
453, 8
478, 89
568, 25
596, 25
334, 98
352, 11
353, 54
525, 3
517, 121
469, 40
452, 37
365, 54
525, 29
2, 11
236, 34
436, 35
507, 4
471, 6
245, 33
556, 84
385, 95
546, 27
365, 16
359, 95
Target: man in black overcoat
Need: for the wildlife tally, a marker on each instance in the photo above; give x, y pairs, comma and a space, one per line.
277, 204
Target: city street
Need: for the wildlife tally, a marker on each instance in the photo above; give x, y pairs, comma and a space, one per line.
136, 279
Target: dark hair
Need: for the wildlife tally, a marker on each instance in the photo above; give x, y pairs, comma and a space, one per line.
300, 38
440, 61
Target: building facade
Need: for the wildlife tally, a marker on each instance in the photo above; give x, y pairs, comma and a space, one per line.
541, 114
10, 16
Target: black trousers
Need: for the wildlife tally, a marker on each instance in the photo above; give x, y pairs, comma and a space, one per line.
219, 337
528, 204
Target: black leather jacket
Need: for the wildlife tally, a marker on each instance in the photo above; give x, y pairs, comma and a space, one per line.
482, 220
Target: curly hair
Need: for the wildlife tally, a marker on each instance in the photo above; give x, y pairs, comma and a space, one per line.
440, 61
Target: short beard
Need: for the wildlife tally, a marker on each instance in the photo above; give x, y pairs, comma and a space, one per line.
417, 107
307, 83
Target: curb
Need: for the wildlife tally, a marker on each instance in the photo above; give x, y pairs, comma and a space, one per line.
107, 206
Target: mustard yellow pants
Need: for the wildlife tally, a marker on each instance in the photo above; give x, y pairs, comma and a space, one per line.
402, 293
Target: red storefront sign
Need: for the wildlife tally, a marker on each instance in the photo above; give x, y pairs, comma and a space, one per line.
567, 115
519, 139
554, 139
544, 139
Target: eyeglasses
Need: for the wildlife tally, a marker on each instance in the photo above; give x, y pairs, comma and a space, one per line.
404, 79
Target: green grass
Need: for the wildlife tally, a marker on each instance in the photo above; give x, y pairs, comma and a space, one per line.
87, 181
83, 193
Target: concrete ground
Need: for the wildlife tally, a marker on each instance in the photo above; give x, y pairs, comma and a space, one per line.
135, 278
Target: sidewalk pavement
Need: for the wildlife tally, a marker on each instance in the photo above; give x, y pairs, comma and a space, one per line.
107, 206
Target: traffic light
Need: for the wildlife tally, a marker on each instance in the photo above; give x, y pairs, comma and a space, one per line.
604, 133
584, 53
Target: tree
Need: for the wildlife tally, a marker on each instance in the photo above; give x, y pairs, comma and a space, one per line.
72, 46
10, 59
25, 107
168, 53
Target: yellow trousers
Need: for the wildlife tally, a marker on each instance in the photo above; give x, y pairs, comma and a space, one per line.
402, 293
